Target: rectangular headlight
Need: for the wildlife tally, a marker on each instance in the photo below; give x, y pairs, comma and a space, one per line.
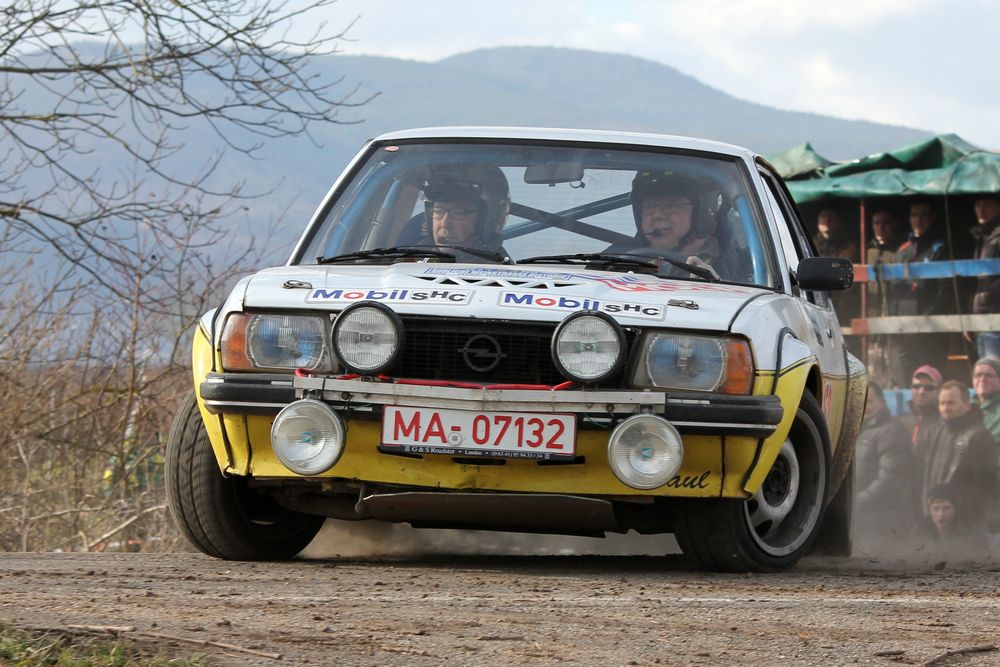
266, 341
693, 363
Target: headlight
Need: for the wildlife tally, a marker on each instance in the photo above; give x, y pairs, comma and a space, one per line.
264, 341
588, 347
645, 451
307, 437
696, 363
367, 337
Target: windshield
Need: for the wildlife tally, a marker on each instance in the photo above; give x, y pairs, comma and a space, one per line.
543, 203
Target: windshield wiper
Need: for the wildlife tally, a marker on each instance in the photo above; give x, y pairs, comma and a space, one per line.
416, 251
397, 251
627, 259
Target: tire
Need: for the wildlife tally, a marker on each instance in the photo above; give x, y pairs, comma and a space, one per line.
836, 534
774, 529
223, 516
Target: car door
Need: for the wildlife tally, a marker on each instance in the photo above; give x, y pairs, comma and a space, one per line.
819, 325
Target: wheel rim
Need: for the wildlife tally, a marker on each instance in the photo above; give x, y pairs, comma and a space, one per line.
783, 513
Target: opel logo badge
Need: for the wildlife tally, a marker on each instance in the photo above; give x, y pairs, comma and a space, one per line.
482, 353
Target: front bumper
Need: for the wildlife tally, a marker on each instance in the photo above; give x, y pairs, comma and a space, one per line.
690, 412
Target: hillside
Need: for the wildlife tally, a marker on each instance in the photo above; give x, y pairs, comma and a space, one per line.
539, 86
528, 86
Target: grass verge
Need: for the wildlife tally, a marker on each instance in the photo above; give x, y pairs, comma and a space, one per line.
55, 648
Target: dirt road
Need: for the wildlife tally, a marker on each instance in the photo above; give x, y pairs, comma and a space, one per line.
515, 610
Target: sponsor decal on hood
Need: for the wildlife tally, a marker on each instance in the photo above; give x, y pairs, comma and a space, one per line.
573, 303
436, 297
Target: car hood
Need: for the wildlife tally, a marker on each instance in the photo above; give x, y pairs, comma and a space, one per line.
500, 292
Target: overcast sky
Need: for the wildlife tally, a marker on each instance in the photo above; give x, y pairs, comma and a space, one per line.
926, 64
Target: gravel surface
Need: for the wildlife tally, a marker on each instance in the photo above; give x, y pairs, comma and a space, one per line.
514, 610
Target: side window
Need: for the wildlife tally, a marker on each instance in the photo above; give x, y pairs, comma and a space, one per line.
788, 245
793, 239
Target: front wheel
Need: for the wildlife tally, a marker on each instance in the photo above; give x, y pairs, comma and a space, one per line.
223, 516
776, 527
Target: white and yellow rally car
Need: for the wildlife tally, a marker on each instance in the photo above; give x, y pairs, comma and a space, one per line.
552, 331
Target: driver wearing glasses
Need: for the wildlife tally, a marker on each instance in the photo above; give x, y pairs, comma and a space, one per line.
669, 216
467, 206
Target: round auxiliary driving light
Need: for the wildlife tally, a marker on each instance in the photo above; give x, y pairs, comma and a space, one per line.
307, 437
367, 337
645, 451
588, 347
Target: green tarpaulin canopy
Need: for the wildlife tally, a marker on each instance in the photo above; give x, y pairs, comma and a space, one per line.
942, 165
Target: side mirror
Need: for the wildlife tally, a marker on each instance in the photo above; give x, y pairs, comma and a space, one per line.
823, 274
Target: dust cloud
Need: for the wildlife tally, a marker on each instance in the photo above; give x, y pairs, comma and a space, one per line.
356, 539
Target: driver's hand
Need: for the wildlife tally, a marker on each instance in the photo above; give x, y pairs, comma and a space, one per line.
697, 261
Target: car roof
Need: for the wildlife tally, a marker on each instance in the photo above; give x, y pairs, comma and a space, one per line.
570, 135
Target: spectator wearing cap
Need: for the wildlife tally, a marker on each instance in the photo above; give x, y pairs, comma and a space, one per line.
884, 475
959, 451
924, 403
986, 299
946, 532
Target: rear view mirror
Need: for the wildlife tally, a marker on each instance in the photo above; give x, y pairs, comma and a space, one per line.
553, 172
823, 274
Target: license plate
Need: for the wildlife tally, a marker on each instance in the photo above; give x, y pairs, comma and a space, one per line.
525, 435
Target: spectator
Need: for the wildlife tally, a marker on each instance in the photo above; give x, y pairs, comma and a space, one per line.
926, 243
832, 239
923, 404
959, 451
886, 359
945, 532
987, 296
884, 474
986, 384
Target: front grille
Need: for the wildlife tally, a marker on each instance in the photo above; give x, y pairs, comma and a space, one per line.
467, 350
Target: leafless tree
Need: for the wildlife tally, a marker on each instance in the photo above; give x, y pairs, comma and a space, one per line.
98, 98
116, 232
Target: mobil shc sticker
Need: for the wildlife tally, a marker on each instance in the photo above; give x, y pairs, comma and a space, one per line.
436, 297
530, 300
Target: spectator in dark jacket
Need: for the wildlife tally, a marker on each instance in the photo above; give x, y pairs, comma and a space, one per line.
883, 475
959, 451
987, 297
926, 243
887, 363
832, 239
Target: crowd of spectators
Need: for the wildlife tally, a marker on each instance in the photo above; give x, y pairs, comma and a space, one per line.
927, 481
927, 478
892, 358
